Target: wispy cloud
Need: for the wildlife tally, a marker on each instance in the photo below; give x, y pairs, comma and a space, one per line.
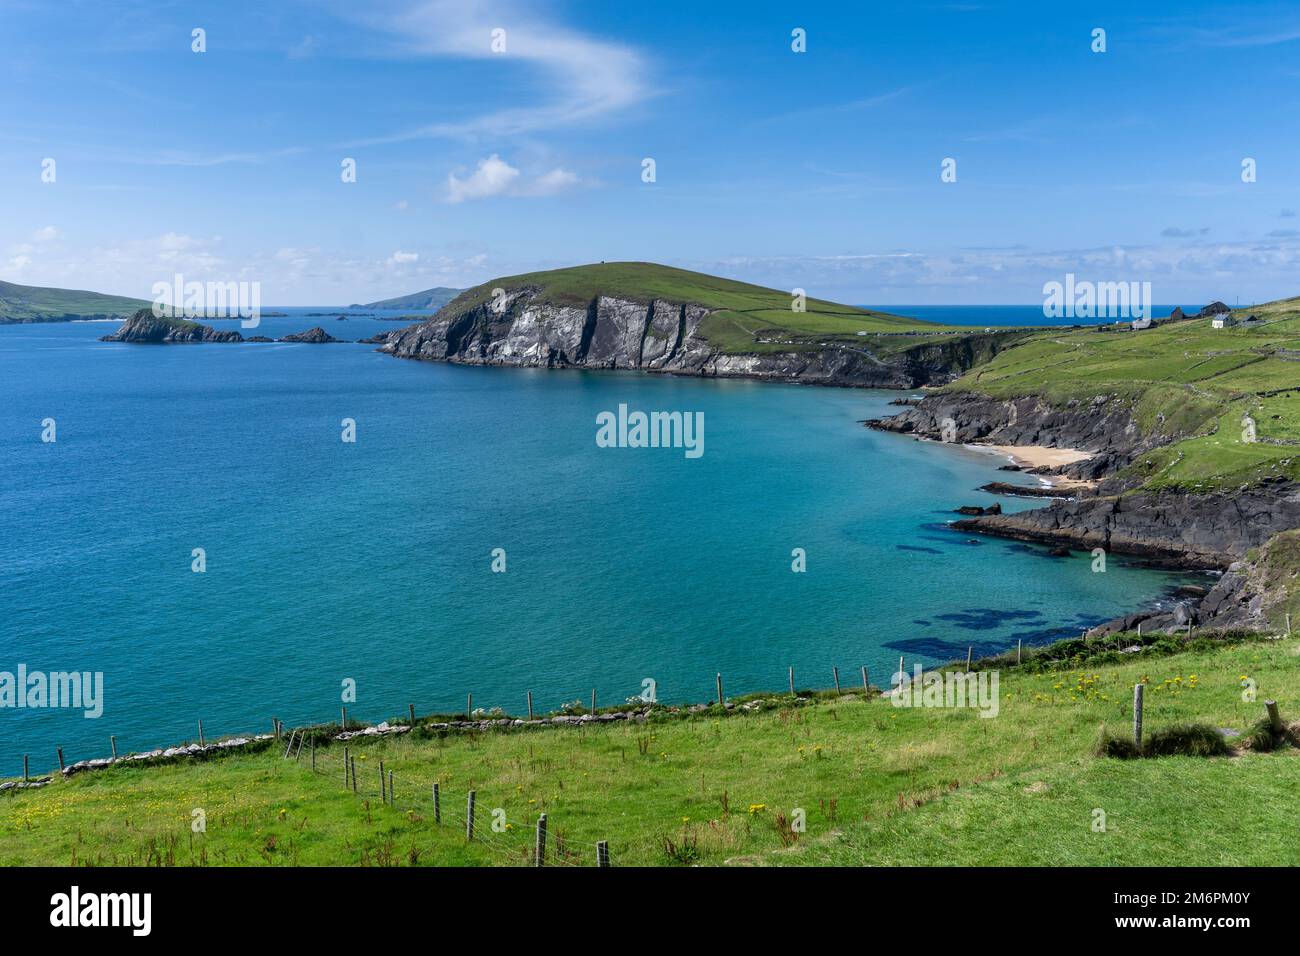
851, 106
584, 78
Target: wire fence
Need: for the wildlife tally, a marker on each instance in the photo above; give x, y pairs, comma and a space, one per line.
409, 792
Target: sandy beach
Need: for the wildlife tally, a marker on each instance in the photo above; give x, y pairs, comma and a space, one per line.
1040, 456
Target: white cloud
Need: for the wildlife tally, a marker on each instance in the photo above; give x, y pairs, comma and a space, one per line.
548, 184
492, 178
400, 258
47, 234
1190, 273
496, 177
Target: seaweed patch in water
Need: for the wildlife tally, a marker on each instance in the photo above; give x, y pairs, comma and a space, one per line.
987, 618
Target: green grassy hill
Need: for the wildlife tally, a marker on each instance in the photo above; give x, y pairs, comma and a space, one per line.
747, 318
26, 303
877, 784
1187, 380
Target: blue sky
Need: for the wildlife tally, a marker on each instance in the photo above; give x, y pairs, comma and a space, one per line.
819, 169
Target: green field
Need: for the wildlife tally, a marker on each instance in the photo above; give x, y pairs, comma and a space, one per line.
25, 303
877, 784
1188, 382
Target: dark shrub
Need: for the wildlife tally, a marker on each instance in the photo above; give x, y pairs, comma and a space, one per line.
1186, 740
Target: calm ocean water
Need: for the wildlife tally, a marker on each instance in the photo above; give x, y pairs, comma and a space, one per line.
372, 561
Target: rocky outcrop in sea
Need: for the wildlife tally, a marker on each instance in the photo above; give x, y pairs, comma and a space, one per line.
313, 336
147, 328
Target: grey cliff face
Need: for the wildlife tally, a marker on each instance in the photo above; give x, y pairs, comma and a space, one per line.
1104, 426
1179, 530
659, 336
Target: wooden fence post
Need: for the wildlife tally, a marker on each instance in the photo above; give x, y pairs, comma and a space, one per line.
60, 749
411, 707
530, 705
302, 738
1137, 715
539, 854
112, 740
719, 689
343, 718
289, 747
792, 680
202, 742
469, 706
437, 804
1288, 623
835, 672
866, 684
352, 761
1274, 718
469, 816
275, 727
1018, 645
24, 768
969, 651
602, 853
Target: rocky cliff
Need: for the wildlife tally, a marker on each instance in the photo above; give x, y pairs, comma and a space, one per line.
145, 327
661, 336
1104, 425
1171, 528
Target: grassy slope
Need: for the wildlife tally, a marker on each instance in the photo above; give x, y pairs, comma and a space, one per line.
25, 303
1018, 788
1187, 380
748, 318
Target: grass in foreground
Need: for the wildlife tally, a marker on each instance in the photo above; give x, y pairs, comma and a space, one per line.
877, 785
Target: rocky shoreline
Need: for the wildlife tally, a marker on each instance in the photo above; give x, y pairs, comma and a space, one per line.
1214, 531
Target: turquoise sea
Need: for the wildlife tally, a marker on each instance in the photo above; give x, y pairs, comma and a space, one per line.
371, 561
